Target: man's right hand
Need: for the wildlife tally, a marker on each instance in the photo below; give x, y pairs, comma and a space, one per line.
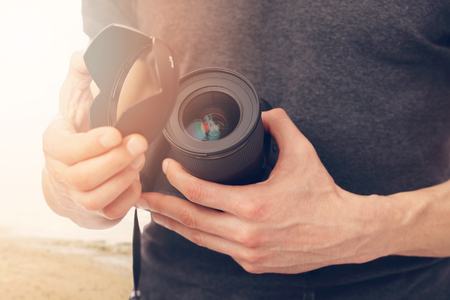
90, 176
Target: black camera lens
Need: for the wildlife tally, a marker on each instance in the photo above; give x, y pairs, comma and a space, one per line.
215, 129
211, 116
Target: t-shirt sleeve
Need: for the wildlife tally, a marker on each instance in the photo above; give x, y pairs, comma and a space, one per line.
98, 14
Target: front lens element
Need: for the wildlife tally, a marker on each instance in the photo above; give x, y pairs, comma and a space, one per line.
211, 116
212, 126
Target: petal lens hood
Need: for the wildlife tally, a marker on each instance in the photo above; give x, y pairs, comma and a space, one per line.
109, 58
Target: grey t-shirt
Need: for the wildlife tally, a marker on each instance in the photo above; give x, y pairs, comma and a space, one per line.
367, 82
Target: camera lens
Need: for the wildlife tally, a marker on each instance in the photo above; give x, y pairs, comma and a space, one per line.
211, 116
215, 130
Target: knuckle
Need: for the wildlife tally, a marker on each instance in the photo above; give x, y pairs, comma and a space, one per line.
251, 268
50, 139
89, 203
187, 218
254, 211
248, 239
197, 238
194, 191
251, 256
279, 113
113, 212
79, 181
76, 61
135, 189
74, 58
45, 141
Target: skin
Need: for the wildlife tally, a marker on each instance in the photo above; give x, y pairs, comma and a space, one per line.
90, 176
297, 220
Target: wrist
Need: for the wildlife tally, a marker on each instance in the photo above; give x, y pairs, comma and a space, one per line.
426, 223
397, 219
384, 223
371, 226
414, 223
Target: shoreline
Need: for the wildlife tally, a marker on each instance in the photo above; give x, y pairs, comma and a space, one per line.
39, 268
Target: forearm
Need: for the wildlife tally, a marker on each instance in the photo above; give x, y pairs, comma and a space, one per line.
422, 222
59, 204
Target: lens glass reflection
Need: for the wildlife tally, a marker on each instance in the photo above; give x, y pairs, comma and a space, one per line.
211, 116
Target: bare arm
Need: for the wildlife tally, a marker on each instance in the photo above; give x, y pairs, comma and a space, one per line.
299, 219
425, 221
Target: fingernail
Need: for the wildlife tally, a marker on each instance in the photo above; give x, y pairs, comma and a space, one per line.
165, 164
142, 204
136, 146
109, 140
138, 162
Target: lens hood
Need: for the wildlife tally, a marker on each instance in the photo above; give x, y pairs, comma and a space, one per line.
109, 58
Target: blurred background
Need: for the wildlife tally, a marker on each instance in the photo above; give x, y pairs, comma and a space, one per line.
37, 40
42, 255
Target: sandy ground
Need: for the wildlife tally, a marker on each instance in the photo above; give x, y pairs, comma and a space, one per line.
64, 270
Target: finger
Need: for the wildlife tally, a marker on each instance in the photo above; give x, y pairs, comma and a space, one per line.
124, 202
90, 173
110, 193
77, 65
228, 198
198, 237
250, 266
63, 143
193, 215
75, 96
252, 259
78, 75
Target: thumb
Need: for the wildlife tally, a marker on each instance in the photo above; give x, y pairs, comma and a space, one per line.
282, 129
295, 148
75, 96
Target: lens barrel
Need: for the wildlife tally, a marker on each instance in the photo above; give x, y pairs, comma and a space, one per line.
215, 129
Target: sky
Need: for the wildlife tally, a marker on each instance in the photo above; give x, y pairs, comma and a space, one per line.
38, 38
